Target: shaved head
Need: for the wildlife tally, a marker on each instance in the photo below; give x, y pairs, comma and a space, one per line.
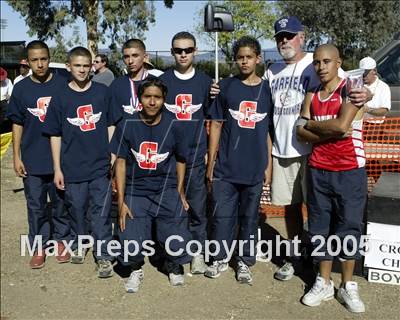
330, 49
327, 62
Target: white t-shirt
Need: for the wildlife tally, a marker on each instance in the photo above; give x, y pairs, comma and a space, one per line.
6, 89
380, 99
289, 85
155, 72
21, 77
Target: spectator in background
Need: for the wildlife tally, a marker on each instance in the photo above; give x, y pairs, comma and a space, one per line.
379, 105
102, 73
6, 89
24, 71
6, 86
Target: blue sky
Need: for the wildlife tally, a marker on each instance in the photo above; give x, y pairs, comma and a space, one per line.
181, 17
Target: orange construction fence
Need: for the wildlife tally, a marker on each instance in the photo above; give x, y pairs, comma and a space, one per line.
382, 148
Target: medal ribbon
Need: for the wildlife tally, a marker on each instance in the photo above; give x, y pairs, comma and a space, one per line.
134, 98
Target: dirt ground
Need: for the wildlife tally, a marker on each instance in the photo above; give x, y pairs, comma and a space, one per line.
67, 291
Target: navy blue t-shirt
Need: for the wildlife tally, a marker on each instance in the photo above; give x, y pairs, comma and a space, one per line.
123, 94
150, 153
188, 101
82, 120
28, 106
246, 112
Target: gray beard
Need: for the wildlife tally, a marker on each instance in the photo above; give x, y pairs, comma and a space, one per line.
287, 54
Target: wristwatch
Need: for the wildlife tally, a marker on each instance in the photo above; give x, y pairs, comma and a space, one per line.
301, 121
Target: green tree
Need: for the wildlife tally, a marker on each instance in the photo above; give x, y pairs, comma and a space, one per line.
225, 69
59, 52
114, 19
158, 63
357, 28
253, 18
208, 67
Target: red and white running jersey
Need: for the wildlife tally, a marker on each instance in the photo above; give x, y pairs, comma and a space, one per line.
336, 154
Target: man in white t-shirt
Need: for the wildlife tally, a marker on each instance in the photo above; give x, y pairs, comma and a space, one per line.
290, 79
379, 105
24, 71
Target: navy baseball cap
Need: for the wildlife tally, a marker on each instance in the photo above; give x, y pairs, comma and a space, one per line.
288, 24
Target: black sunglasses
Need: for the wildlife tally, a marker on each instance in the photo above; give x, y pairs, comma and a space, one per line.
288, 35
181, 50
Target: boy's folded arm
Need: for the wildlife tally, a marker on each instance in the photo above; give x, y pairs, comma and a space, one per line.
305, 135
302, 133
335, 128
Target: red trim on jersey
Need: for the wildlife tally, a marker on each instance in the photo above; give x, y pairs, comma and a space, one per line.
336, 154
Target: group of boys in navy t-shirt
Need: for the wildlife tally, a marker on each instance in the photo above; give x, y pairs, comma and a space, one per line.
158, 149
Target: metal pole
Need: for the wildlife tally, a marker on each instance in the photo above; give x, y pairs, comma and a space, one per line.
216, 58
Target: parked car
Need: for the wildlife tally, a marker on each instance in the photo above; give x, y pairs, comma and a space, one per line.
388, 65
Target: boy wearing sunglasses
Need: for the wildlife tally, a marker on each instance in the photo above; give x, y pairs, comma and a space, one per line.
188, 100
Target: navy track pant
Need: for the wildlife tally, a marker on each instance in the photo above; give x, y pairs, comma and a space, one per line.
336, 203
196, 194
93, 197
166, 212
36, 190
235, 217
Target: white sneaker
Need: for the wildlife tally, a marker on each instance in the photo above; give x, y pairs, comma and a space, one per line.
243, 273
78, 257
104, 268
198, 266
134, 281
214, 271
319, 292
285, 272
176, 280
348, 295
